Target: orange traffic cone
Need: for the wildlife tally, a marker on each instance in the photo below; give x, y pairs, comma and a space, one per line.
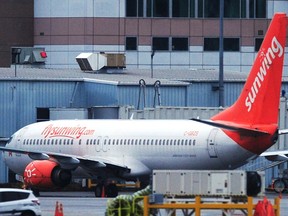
59, 209
103, 192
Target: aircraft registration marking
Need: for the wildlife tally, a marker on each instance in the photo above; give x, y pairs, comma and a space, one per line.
192, 133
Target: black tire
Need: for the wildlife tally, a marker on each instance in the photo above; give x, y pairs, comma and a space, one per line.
98, 190
279, 186
28, 213
111, 190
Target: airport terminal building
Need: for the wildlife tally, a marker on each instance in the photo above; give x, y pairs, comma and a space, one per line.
184, 34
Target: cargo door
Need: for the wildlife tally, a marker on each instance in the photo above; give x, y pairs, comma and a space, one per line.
211, 145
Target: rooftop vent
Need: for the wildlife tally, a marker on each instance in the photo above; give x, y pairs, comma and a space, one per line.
98, 61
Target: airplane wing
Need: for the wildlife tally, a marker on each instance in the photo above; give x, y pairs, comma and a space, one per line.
276, 155
67, 161
283, 131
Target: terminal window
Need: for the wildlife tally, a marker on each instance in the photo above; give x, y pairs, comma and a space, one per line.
229, 44
160, 43
196, 8
131, 43
258, 42
179, 44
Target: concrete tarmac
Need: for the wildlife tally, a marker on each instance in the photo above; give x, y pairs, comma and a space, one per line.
84, 203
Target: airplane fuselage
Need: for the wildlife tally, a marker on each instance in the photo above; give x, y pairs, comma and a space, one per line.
143, 145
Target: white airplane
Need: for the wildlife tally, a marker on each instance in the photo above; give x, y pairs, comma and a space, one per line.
52, 153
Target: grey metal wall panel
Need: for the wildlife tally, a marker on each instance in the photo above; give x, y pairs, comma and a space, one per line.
148, 97
200, 93
19, 100
100, 94
3, 171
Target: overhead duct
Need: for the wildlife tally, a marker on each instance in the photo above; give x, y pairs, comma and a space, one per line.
97, 61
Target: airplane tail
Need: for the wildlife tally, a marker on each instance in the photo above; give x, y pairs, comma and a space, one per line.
258, 102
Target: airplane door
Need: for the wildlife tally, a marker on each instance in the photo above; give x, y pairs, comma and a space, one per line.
98, 144
211, 145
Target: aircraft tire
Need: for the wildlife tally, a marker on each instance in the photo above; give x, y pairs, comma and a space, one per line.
98, 190
111, 190
279, 186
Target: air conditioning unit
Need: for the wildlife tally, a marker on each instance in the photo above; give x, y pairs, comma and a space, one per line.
91, 61
116, 60
28, 55
97, 61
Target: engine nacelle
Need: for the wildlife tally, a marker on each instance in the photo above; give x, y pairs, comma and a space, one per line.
44, 173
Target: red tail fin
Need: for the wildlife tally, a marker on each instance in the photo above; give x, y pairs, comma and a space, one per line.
258, 102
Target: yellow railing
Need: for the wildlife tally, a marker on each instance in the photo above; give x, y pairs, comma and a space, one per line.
198, 205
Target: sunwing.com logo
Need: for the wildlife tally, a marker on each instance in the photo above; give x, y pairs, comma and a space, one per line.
69, 132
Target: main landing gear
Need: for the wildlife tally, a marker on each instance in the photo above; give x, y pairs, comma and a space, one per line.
106, 190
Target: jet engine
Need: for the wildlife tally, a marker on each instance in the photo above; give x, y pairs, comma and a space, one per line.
44, 173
